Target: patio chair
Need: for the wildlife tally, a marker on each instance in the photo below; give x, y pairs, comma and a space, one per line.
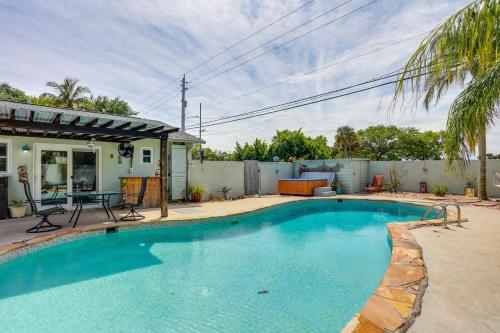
133, 215
376, 185
44, 225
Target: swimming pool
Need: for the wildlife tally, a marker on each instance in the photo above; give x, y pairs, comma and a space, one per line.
306, 266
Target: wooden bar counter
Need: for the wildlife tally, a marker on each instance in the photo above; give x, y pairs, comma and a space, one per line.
132, 185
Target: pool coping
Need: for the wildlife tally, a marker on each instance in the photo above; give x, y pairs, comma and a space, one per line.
397, 302
393, 307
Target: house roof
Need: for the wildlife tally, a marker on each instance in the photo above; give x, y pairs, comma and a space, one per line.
42, 121
181, 136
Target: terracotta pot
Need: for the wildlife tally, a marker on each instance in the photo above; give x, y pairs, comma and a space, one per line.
196, 197
16, 212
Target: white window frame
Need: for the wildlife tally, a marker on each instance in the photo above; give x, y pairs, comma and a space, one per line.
9, 157
142, 155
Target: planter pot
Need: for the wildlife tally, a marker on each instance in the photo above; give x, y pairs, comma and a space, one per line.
470, 191
423, 187
16, 212
340, 191
196, 197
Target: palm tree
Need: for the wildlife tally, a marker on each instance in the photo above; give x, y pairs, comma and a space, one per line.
68, 93
346, 140
465, 49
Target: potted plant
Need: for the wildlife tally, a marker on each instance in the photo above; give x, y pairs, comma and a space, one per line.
196, 192
17, 208
339, 188
470, 189
423, 187
439, 190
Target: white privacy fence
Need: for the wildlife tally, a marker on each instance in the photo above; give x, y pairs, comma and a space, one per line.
354, 174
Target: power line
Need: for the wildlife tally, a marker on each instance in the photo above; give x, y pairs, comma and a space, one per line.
294, 104
320, 69
249, 36
160, 101
227, 49
283, 44
274, 39
153, 108
378, 78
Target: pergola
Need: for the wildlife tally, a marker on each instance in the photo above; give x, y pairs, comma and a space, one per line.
21, 119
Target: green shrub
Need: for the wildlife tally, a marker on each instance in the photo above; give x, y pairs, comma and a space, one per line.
196, 189
439, 190
17, 203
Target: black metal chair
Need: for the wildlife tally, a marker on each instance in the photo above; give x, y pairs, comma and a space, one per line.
133, 215
44, 225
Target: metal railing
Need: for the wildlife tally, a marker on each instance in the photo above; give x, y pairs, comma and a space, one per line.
444, 210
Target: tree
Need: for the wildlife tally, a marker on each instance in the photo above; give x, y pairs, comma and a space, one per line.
290, 145
465, 49
211, 155
379, 143
346, 140
414, 145
491, 156
256, 151
114, 106
317, 148
9, 93
68, 93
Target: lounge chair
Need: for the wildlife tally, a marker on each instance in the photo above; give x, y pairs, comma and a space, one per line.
44, 225
133, 215
376, 185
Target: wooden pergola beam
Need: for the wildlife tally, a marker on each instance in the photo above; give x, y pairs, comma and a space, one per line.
81, 129
92, 122
75, 121
138, 127
57, 119
154, 129
107, 124
124, 125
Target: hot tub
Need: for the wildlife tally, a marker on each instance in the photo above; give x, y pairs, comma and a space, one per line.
300, 186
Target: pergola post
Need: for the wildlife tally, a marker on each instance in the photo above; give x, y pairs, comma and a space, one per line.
164, 174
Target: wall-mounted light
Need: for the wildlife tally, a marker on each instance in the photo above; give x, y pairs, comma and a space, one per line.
26, 148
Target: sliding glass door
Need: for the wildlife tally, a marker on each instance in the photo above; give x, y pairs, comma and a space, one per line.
61, 169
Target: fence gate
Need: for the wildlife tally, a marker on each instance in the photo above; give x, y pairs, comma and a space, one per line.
251, 177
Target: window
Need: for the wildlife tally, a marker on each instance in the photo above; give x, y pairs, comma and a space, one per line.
146, 155
5, 156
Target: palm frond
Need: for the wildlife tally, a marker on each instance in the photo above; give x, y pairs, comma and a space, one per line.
463, 46
472, 113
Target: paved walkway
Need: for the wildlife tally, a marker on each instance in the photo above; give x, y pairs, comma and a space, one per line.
464, 275
463, 263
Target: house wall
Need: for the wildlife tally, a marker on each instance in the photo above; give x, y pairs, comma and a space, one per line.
214, 175
435, 172
112, 168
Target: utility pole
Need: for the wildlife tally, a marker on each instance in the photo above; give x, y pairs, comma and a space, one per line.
184, 103
200, 121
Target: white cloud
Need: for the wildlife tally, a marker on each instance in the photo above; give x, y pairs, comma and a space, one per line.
132, 48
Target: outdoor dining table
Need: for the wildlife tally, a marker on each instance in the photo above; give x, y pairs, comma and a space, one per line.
92, 197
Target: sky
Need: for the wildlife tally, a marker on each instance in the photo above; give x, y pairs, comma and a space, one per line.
138, 50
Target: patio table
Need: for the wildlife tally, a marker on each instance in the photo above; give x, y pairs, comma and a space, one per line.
79, 197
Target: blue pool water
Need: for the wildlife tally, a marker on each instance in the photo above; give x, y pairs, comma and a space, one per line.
318, 261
